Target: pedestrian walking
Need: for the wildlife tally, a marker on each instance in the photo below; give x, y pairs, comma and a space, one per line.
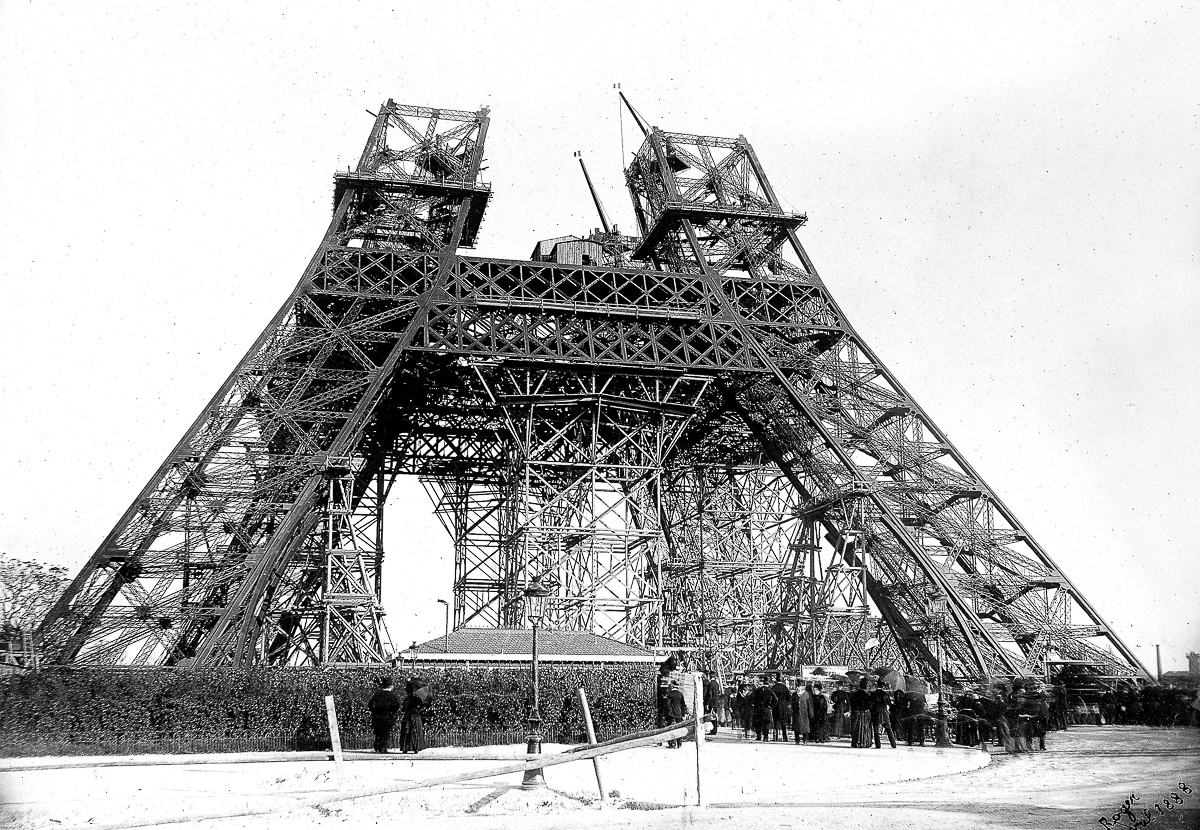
881, 714
841, 705
677, 710
896, 710
412, 728
713, 696
1058, 705
763, 700
783, 706
744, 705
860, 716
383, 707
915, 717
662, 688
802, 712
820, 723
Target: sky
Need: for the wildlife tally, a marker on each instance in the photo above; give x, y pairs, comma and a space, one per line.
1004, 198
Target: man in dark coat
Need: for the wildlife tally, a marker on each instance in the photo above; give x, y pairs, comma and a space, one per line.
1058, 705
764, 703
383, 707
714, 697
881, 715
966, 729
802, 713
783, 706
897, 711
820, 723
664, 686
1108, 706
915, 717
676, 711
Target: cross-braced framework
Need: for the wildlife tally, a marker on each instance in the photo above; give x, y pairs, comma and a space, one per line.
679, 432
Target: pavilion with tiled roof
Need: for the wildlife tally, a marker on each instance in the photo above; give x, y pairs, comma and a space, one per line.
514, 645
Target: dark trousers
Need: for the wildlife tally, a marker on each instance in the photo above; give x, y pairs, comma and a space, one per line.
967, 731
382, 727
915, 729
677, 742
762, 726
781, 724
884, 719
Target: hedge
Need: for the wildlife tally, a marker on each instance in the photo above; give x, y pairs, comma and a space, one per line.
66, 710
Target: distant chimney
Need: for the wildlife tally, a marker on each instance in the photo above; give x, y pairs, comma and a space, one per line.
1194, 664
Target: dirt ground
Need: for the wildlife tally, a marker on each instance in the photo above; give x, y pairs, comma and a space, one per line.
1085, 773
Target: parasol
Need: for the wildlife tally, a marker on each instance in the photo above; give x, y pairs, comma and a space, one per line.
889, 677
422, 691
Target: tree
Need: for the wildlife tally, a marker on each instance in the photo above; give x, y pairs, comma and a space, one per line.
27, 590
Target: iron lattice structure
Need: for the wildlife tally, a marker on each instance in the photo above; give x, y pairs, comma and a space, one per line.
680, 432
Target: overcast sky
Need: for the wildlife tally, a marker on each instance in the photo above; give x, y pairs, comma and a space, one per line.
1005, 200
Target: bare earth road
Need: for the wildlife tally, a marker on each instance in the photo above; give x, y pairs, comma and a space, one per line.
1086, 773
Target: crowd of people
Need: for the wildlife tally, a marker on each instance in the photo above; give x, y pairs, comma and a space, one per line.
865, 711
1015, 715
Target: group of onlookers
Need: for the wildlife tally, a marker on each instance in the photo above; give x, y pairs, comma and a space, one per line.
385, 706
1149, 705
1015, 714
865, 711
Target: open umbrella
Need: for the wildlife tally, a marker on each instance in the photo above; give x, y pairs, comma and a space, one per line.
422, 691
889, 677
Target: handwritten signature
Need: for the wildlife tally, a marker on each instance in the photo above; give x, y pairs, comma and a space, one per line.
1126, 812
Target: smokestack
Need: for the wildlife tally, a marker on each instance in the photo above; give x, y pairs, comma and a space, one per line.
1158, 658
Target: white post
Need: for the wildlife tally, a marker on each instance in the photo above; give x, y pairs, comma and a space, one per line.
698, 717
591, 733
335, 739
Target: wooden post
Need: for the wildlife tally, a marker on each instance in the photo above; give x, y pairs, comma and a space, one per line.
335, 739
698, 719
591, 733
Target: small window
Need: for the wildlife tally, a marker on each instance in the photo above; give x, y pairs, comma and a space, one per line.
587, 259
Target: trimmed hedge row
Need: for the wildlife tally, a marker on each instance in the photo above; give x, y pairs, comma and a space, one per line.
65, 706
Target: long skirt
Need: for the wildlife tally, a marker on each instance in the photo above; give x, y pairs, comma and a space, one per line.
412, 733
860, 729
839, 723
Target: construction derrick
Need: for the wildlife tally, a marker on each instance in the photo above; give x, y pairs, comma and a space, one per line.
679, 432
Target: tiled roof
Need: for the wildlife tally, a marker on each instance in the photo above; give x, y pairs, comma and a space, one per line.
517, 642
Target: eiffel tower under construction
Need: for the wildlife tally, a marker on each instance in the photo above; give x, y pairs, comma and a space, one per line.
679, 432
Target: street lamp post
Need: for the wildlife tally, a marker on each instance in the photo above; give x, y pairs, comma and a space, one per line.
446, 638
535, 609
939, 616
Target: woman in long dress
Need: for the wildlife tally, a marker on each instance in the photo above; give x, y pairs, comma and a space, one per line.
412, 727
860, 717
841, 705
